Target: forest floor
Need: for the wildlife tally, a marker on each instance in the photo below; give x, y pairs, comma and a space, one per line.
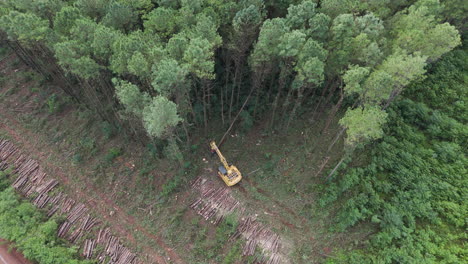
123, 181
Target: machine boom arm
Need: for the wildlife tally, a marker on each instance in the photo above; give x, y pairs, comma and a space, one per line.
221, 157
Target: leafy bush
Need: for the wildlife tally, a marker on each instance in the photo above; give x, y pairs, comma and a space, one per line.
29, 76
33, 235
53, 104
413, 189
447, 81
77, 158
246, 122
112, 154
107, 130
87, 146
173, 152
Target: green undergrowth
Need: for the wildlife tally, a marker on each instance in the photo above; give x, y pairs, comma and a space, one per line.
414, 187
30, 230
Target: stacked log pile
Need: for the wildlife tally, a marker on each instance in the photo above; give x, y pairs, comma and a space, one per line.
33, 183
214, 203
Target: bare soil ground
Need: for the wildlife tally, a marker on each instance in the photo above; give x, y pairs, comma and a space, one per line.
11, 256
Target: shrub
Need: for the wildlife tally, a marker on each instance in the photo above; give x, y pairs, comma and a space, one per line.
35, 237
53, 104
107, 130
112, 154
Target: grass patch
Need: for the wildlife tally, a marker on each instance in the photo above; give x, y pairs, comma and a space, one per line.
112, 154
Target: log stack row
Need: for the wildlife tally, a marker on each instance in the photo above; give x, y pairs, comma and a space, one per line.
33, 183
214, 203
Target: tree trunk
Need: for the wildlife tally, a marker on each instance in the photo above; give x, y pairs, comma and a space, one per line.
332, 114
226, 82
285, 106
392, 97
235, 118
297, 104
205, 115
232, 96
187, 135
282, 83
334, 169
222, 105
336, 139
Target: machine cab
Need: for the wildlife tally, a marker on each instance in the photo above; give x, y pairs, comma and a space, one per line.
228, 173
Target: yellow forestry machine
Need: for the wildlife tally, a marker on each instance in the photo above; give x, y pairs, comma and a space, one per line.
229, 173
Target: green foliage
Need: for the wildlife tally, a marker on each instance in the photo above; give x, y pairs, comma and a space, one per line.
108, 130
53, 104
363, 124
414, 187
197, 53
454, 11
234, 254
209, 248
335, 7
171, 185
173, 152
447, 80
418, 31
103, 41
160, 117
198, 57
353, 79
112, 153
166, 65
87, 146
32, 28
266, 48
247, 121
33, 235
120, 16
92, 8
131, 97
393, 75
65, 19
247, 19
161, 20
167, 76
